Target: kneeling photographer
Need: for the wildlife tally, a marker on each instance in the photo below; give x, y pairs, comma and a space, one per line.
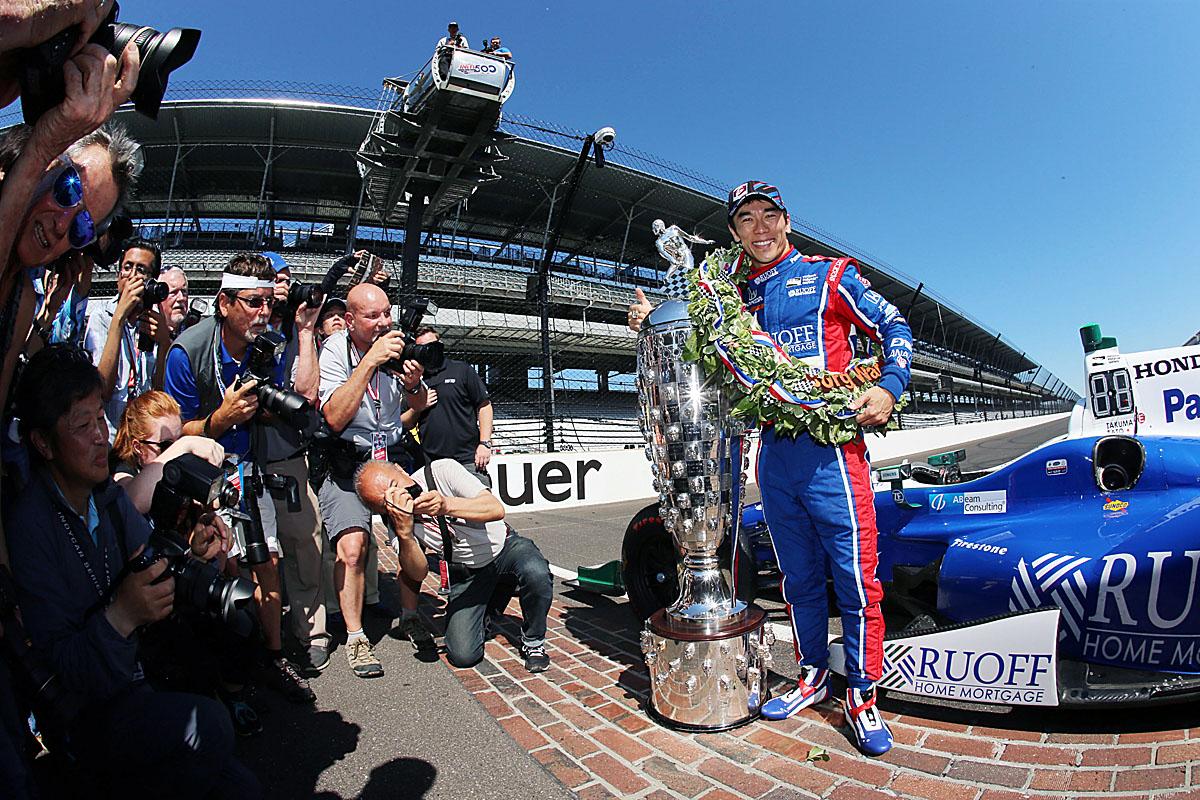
225, 372
88, 579
365, 382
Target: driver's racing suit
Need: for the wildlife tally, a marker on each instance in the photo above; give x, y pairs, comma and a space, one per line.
817, 499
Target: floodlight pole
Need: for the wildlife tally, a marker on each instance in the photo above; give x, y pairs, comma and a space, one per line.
544, 288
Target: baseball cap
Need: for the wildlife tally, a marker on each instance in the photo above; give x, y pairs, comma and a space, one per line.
277, 262
751, 190
333, 304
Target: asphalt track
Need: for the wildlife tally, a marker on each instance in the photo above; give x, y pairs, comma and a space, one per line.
416, 732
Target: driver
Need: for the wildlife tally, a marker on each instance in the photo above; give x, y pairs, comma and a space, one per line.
817, 499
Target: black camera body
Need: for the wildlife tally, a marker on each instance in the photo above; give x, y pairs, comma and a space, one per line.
41, 69
154, 292
189, 487
431, 355
300, 293
294, 409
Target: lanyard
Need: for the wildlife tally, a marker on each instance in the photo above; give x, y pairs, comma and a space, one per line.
101, 591
129, 345
372, 385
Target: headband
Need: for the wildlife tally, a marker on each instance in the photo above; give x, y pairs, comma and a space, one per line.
229, 281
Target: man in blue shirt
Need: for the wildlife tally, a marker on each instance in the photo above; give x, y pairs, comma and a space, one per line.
202, 374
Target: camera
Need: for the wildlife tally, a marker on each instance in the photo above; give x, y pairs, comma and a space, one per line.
431, 356
606, 137
294, 409
189, 488
300, 293
154, 292
109, 245
41, 67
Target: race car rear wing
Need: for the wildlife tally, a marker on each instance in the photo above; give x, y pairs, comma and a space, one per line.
1152, 393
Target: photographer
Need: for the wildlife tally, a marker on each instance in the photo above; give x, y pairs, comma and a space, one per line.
204, 374
120, 328
71, 535
174, 308
490, 560
459, 424
363, 404
300, 532
151, 434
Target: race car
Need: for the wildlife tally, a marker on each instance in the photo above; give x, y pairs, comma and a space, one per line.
1068, 575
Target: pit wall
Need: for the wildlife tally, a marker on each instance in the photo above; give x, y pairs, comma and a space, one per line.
543, 481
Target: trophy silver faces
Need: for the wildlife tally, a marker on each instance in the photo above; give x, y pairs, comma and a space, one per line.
708, 652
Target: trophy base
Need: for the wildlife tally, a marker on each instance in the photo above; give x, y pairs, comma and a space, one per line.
704, 680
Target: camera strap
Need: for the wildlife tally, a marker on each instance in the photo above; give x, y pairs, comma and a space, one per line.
447, 537
101, 589
372, 385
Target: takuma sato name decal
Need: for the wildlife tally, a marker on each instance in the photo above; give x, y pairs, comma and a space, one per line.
995, 502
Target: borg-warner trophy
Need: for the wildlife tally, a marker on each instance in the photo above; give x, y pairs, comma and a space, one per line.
708, 652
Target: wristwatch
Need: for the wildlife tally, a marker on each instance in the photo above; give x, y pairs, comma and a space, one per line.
486, 443
414, 390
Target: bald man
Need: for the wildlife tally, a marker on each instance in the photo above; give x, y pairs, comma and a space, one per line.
363, 404
489, 563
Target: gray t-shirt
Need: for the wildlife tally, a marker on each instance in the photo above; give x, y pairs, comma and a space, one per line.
381, 403
475, 543
135, 369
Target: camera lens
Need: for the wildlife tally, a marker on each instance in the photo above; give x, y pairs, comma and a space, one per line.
161, 54
155, 292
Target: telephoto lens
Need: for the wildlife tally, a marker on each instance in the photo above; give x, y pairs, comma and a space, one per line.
41, 68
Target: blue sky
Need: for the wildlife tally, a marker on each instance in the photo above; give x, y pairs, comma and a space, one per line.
1036, 163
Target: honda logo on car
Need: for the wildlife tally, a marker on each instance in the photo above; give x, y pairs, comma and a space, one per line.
995, 502
1166, 366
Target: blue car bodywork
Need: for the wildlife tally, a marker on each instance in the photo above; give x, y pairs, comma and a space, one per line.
1120, 562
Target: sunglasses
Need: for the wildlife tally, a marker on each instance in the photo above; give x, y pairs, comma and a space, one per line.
257, 301
66, 187
161, 446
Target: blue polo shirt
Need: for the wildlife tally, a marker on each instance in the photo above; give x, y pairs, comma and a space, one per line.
180, 383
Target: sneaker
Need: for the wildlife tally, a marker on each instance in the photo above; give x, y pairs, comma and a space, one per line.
536, 659
871, 734
811, 688
362, 658
243, 716
283, 677
318, 656
415, 631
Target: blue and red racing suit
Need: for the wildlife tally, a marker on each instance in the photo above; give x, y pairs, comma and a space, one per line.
817, 499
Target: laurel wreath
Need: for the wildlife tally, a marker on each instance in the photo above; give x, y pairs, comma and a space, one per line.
766, 385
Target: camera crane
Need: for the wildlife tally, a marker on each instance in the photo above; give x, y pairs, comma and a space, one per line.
434, 141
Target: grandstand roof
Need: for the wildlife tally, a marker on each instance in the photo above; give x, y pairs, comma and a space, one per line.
294, 160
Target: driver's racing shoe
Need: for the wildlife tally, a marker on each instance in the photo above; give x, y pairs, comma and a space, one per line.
871, 734
812, 687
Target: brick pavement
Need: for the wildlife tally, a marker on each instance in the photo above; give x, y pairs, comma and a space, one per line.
583, 721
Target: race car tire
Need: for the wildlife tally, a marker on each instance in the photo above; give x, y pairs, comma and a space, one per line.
650, 565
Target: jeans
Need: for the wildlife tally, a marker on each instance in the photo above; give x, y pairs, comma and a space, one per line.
474, 593
145, 743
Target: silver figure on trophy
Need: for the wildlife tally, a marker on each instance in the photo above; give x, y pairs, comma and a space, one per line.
675, 245
708, 653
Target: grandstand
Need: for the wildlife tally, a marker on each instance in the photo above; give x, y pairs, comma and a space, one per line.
276, 167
